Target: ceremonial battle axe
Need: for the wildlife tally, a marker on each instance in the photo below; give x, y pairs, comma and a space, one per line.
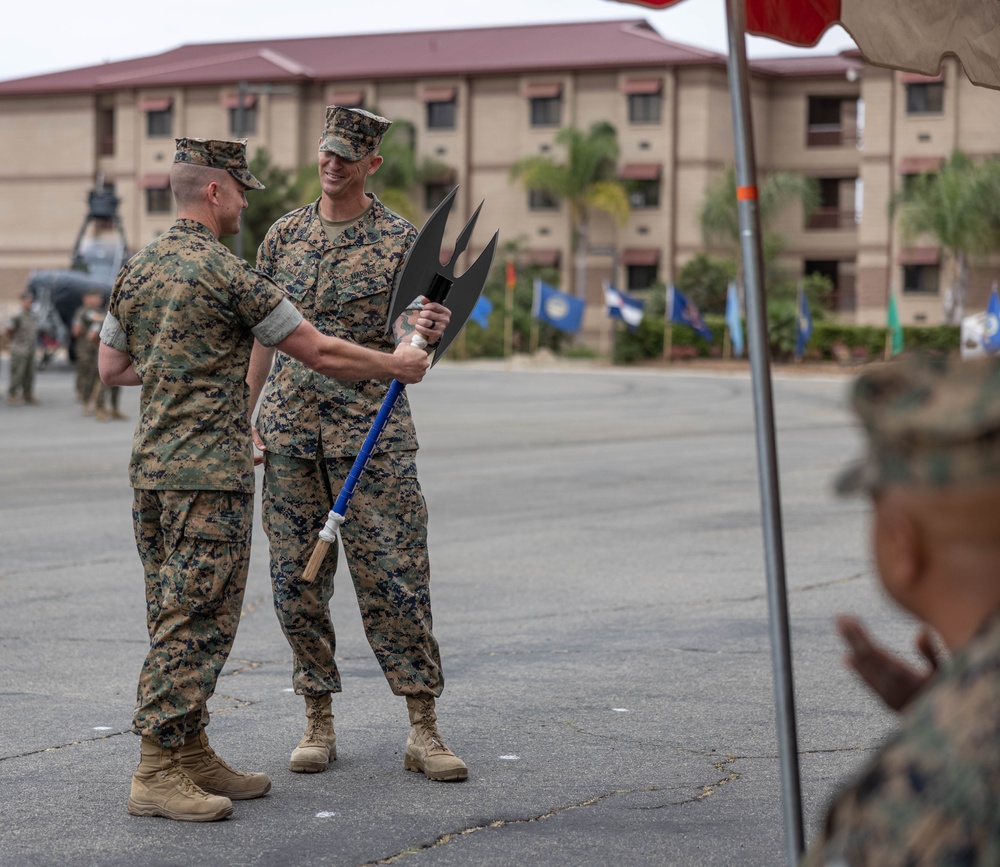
423, 274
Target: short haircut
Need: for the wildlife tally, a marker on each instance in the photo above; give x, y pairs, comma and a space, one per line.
188, 182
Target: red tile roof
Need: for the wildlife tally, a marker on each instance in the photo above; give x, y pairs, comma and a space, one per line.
525, 49
808, 66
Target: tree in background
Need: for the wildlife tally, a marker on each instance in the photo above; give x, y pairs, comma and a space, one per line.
586, 181
284, 190
720, 221
704, 280
959, 206
400, 178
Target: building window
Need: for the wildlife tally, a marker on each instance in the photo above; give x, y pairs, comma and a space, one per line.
832, 121
925, 97
159, 123
158, 200
106, 132
827, 214
644, 194
542, 200
639, 277
434, 194
644, 107
921, 279
546, 110
245, 125
441, 115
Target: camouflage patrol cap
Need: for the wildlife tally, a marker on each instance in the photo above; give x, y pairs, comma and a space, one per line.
216, 154
930, 421
352, 133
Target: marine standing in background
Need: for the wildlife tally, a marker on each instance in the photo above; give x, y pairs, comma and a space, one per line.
22, 337
86, 330
183, 318
339, 259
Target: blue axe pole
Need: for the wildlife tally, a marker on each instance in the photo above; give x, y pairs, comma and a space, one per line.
423, 274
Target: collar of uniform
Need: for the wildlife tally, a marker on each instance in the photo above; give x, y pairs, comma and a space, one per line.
364, 231
194, 226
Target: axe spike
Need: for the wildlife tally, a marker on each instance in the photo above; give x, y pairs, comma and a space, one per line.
464, 294
463, 239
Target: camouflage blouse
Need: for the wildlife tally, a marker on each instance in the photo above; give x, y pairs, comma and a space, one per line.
344, 290
186, 311
932, 794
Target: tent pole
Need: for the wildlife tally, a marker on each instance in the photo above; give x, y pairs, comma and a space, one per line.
758, 344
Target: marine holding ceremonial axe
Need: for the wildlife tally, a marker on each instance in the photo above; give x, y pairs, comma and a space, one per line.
339, 260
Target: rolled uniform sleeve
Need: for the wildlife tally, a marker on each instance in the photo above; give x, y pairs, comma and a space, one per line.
278, 324
113, 335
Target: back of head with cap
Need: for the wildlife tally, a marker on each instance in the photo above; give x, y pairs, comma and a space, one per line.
227, 155
930, 421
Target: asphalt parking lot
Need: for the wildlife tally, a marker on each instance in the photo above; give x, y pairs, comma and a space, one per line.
599, 597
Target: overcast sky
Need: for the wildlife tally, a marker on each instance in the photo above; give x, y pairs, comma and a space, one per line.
52, 35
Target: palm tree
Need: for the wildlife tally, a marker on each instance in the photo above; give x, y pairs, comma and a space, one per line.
400, 174
720, 221
586, 181
959, 205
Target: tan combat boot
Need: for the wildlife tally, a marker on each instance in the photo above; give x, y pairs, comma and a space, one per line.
425, 750
318, 746
212, 774
161, 788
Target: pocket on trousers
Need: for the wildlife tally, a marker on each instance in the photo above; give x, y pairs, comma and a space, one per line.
206, 558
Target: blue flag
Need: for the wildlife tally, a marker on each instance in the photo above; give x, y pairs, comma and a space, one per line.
557, 309
684, 312
991, 324
481, 312
733, 320
803, 325
622, 306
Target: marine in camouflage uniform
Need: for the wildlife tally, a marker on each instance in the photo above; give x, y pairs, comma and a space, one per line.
341, 276
85, 328
931, 796
186, 311
22, 337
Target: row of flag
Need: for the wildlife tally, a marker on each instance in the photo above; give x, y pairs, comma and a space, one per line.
565, 312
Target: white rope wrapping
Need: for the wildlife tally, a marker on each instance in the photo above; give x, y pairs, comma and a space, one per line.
330, 528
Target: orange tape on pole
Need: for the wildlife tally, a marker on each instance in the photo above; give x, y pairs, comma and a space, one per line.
744, 194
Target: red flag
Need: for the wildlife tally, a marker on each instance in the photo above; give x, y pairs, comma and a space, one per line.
800, 22
511, 276
901, 34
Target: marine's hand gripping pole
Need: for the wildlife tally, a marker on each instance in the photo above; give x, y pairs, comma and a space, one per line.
423, 274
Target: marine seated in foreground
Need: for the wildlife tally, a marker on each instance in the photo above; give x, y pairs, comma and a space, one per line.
931, 795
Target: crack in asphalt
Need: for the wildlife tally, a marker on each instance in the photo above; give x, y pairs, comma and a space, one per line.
450, 836
722, 766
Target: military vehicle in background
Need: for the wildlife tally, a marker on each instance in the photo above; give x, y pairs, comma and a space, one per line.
96, 258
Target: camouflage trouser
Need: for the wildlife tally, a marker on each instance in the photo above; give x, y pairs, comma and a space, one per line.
195, 551
385, 540
87, 377
22, 374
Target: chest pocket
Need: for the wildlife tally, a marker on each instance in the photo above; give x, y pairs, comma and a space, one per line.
297, 283
354, 288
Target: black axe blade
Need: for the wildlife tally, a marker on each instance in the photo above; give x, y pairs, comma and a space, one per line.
423, 274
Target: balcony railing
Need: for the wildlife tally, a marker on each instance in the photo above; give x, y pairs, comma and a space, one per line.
832, 135
831, 218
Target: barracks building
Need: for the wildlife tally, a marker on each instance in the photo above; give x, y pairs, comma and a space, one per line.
481, 99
